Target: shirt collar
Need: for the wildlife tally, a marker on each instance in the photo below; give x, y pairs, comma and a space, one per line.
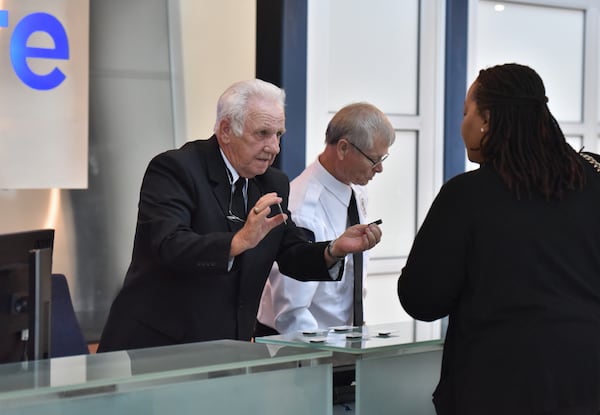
234, 174
340, 191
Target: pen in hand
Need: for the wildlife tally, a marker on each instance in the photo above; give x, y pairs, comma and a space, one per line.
281, 211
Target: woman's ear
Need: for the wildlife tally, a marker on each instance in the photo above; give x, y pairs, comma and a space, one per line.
486, 118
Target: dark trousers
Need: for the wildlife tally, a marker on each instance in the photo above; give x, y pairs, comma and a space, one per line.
261, 330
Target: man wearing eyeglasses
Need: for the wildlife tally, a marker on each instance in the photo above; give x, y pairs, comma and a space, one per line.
357, 141
213, 217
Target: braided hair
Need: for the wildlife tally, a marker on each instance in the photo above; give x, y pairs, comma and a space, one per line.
524, 142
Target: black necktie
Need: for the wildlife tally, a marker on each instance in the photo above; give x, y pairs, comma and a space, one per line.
238, 205
358, 267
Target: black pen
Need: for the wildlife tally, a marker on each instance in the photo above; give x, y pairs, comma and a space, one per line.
376, 222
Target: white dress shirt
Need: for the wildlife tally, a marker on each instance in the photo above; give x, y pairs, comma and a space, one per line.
318, 202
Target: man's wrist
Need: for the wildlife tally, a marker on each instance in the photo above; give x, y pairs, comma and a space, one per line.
330, 252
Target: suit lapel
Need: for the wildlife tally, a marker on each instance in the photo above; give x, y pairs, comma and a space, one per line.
217, 177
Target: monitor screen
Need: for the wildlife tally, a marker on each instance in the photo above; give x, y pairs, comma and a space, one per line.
25, 294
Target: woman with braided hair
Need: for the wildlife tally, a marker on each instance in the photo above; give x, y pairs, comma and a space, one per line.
511, 253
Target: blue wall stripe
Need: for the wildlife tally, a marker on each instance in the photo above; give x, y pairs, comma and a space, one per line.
455, 86
293, 79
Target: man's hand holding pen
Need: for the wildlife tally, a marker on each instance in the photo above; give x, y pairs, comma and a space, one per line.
258, 223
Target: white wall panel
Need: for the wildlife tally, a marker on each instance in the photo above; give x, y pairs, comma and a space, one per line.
560, 39
548, 39
392, 197
382, 288
374, 48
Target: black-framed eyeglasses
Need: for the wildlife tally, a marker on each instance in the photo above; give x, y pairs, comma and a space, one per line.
232, 216
374, 163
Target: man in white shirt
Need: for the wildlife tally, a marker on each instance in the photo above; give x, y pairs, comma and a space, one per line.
357, 141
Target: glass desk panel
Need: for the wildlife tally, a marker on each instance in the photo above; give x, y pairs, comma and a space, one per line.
225, 377
394, 373
367, 340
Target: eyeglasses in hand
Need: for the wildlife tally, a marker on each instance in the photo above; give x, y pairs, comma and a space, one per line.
230, 215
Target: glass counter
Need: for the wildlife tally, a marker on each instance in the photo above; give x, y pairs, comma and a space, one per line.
220, 377
393, 372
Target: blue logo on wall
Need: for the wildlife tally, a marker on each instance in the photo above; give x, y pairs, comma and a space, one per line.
20, 52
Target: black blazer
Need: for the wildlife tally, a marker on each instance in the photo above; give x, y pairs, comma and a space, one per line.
178, 288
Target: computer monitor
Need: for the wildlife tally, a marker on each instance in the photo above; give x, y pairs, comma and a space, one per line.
25, 295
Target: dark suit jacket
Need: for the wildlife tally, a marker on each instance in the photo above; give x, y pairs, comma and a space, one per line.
520, 281
178, 288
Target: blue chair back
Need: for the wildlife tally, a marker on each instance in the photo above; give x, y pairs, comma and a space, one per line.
66, 336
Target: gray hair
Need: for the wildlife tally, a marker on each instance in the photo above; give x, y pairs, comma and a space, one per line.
359, 123
233, 103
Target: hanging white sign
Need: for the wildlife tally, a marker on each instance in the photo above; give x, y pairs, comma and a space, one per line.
44, 77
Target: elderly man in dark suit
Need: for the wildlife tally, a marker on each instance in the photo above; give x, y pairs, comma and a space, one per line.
199, 261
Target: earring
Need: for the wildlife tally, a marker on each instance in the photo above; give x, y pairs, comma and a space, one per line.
481, 129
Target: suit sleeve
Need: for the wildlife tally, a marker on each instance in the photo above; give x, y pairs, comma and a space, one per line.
298, 258
436, 268
171, 201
